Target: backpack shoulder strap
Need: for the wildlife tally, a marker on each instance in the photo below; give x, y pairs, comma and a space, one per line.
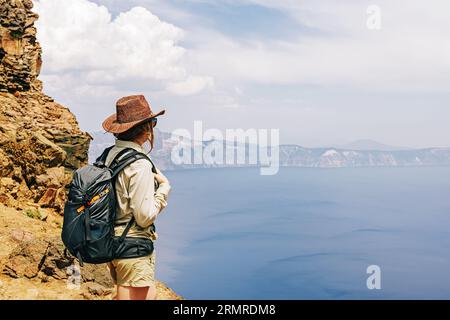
100, 161
121, 160
125, 158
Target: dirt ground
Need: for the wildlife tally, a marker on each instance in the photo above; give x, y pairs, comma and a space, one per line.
33, 267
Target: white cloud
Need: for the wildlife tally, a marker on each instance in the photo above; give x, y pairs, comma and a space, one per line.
191, 85
410, 53
81, 39
91, 59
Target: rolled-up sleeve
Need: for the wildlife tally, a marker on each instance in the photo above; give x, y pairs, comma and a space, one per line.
145, 203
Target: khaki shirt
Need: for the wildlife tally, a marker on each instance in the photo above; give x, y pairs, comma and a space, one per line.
136, 194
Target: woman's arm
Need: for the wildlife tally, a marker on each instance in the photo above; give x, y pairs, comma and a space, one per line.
163, 189
145, 203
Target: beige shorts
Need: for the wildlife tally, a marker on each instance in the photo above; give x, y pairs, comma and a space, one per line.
134, 272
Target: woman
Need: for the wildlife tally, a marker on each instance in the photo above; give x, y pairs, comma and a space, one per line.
137, 195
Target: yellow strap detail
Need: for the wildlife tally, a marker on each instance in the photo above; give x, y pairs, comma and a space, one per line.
101, 194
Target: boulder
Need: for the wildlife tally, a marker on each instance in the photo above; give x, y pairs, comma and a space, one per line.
46, 260
6, 165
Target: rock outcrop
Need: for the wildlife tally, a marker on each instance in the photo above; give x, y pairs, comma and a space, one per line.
33, 264
40, 146
40, 141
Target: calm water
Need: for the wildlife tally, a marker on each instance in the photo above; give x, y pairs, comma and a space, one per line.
306, 233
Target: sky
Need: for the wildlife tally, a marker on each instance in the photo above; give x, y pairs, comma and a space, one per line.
323, 72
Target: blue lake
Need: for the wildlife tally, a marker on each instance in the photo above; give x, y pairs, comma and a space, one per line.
306, 233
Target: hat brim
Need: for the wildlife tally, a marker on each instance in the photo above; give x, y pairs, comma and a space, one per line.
111, 124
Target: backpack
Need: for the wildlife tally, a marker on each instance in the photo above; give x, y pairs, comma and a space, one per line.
90, 213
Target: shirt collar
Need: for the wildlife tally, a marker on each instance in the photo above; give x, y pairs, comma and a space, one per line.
129, 144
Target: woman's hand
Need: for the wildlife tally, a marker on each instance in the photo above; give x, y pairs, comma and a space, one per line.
160, 178
163, 185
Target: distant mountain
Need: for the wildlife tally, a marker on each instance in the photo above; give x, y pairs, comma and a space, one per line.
340, 158
296, 156
368, 145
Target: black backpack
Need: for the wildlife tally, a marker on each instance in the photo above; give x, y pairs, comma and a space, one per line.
90, 213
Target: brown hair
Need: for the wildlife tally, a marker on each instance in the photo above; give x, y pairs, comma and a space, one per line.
132, 133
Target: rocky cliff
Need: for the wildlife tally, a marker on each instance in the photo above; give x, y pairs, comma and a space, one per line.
40, 141
40, 146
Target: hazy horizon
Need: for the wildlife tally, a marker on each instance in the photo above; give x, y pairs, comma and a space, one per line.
357, 144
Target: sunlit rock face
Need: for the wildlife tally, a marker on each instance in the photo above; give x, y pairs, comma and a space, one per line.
40, 141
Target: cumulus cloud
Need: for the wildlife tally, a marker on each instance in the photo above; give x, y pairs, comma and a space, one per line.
91, 58
81, 40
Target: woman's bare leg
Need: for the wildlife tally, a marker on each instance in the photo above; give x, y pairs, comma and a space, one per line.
151, 294
135, 293
114, 294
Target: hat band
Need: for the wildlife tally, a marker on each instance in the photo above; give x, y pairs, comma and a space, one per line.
132, 117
